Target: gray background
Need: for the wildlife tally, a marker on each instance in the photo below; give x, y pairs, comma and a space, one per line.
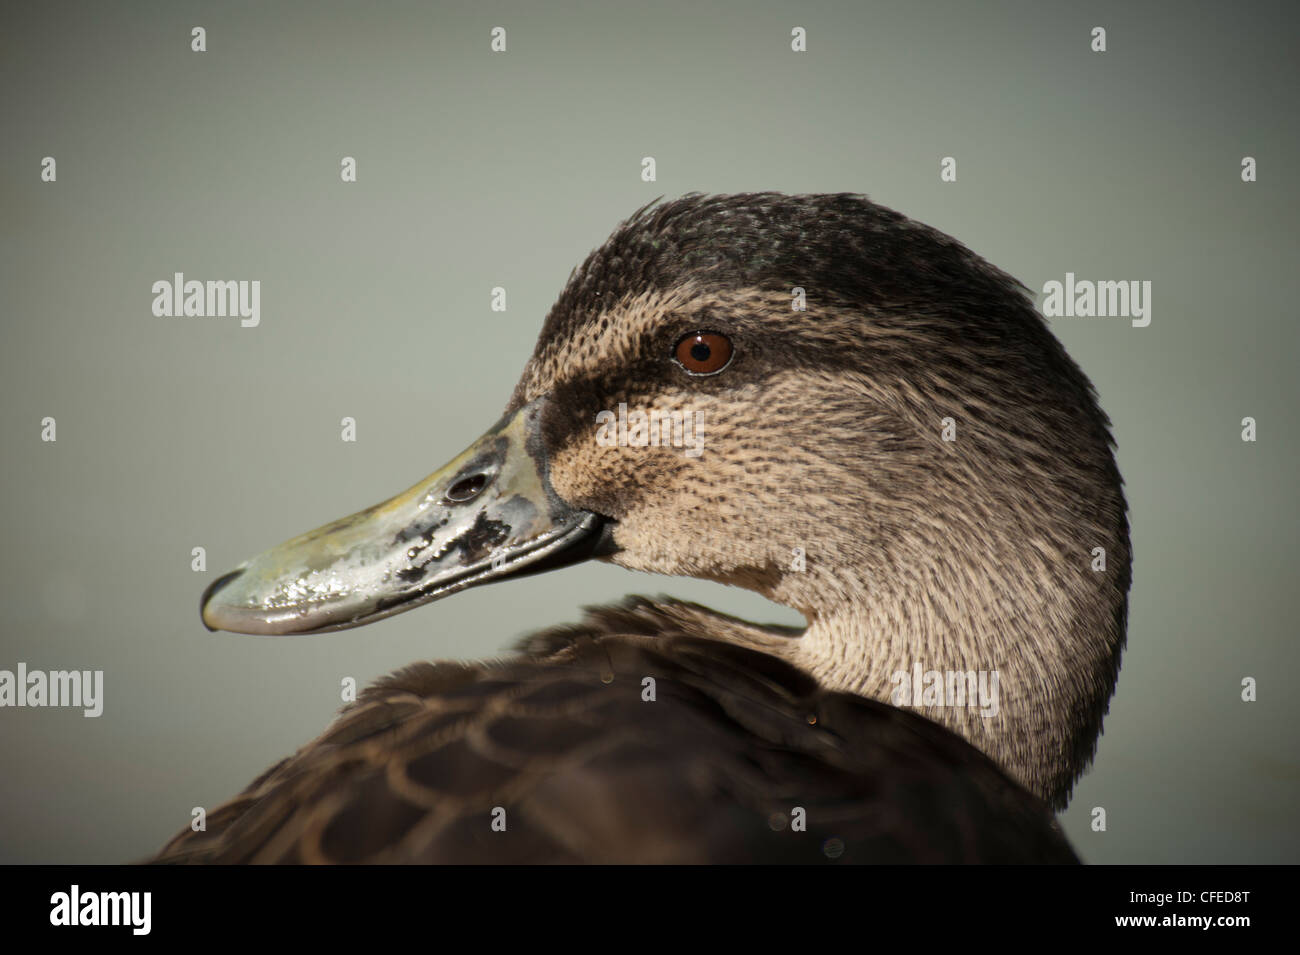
479, 170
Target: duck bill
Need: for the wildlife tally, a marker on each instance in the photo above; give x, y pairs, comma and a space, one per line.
489, 514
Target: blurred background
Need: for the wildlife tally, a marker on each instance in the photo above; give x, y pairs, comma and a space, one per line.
480, 169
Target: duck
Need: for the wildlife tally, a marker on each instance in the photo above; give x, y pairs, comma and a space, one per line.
812, 397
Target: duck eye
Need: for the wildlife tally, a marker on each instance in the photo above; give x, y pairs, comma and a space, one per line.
703, 353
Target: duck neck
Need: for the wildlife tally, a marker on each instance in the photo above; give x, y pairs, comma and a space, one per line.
1018, 671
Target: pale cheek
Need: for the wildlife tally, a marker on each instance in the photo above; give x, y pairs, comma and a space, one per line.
615, 480
670, 537
655, 540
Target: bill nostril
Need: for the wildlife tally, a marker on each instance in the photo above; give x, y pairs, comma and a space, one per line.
467, 488
212, 588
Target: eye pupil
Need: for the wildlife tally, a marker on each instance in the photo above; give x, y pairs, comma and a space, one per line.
700, 351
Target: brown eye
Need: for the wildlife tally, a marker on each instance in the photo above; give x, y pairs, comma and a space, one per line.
703, 353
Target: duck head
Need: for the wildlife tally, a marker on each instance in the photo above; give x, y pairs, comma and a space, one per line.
812, 397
